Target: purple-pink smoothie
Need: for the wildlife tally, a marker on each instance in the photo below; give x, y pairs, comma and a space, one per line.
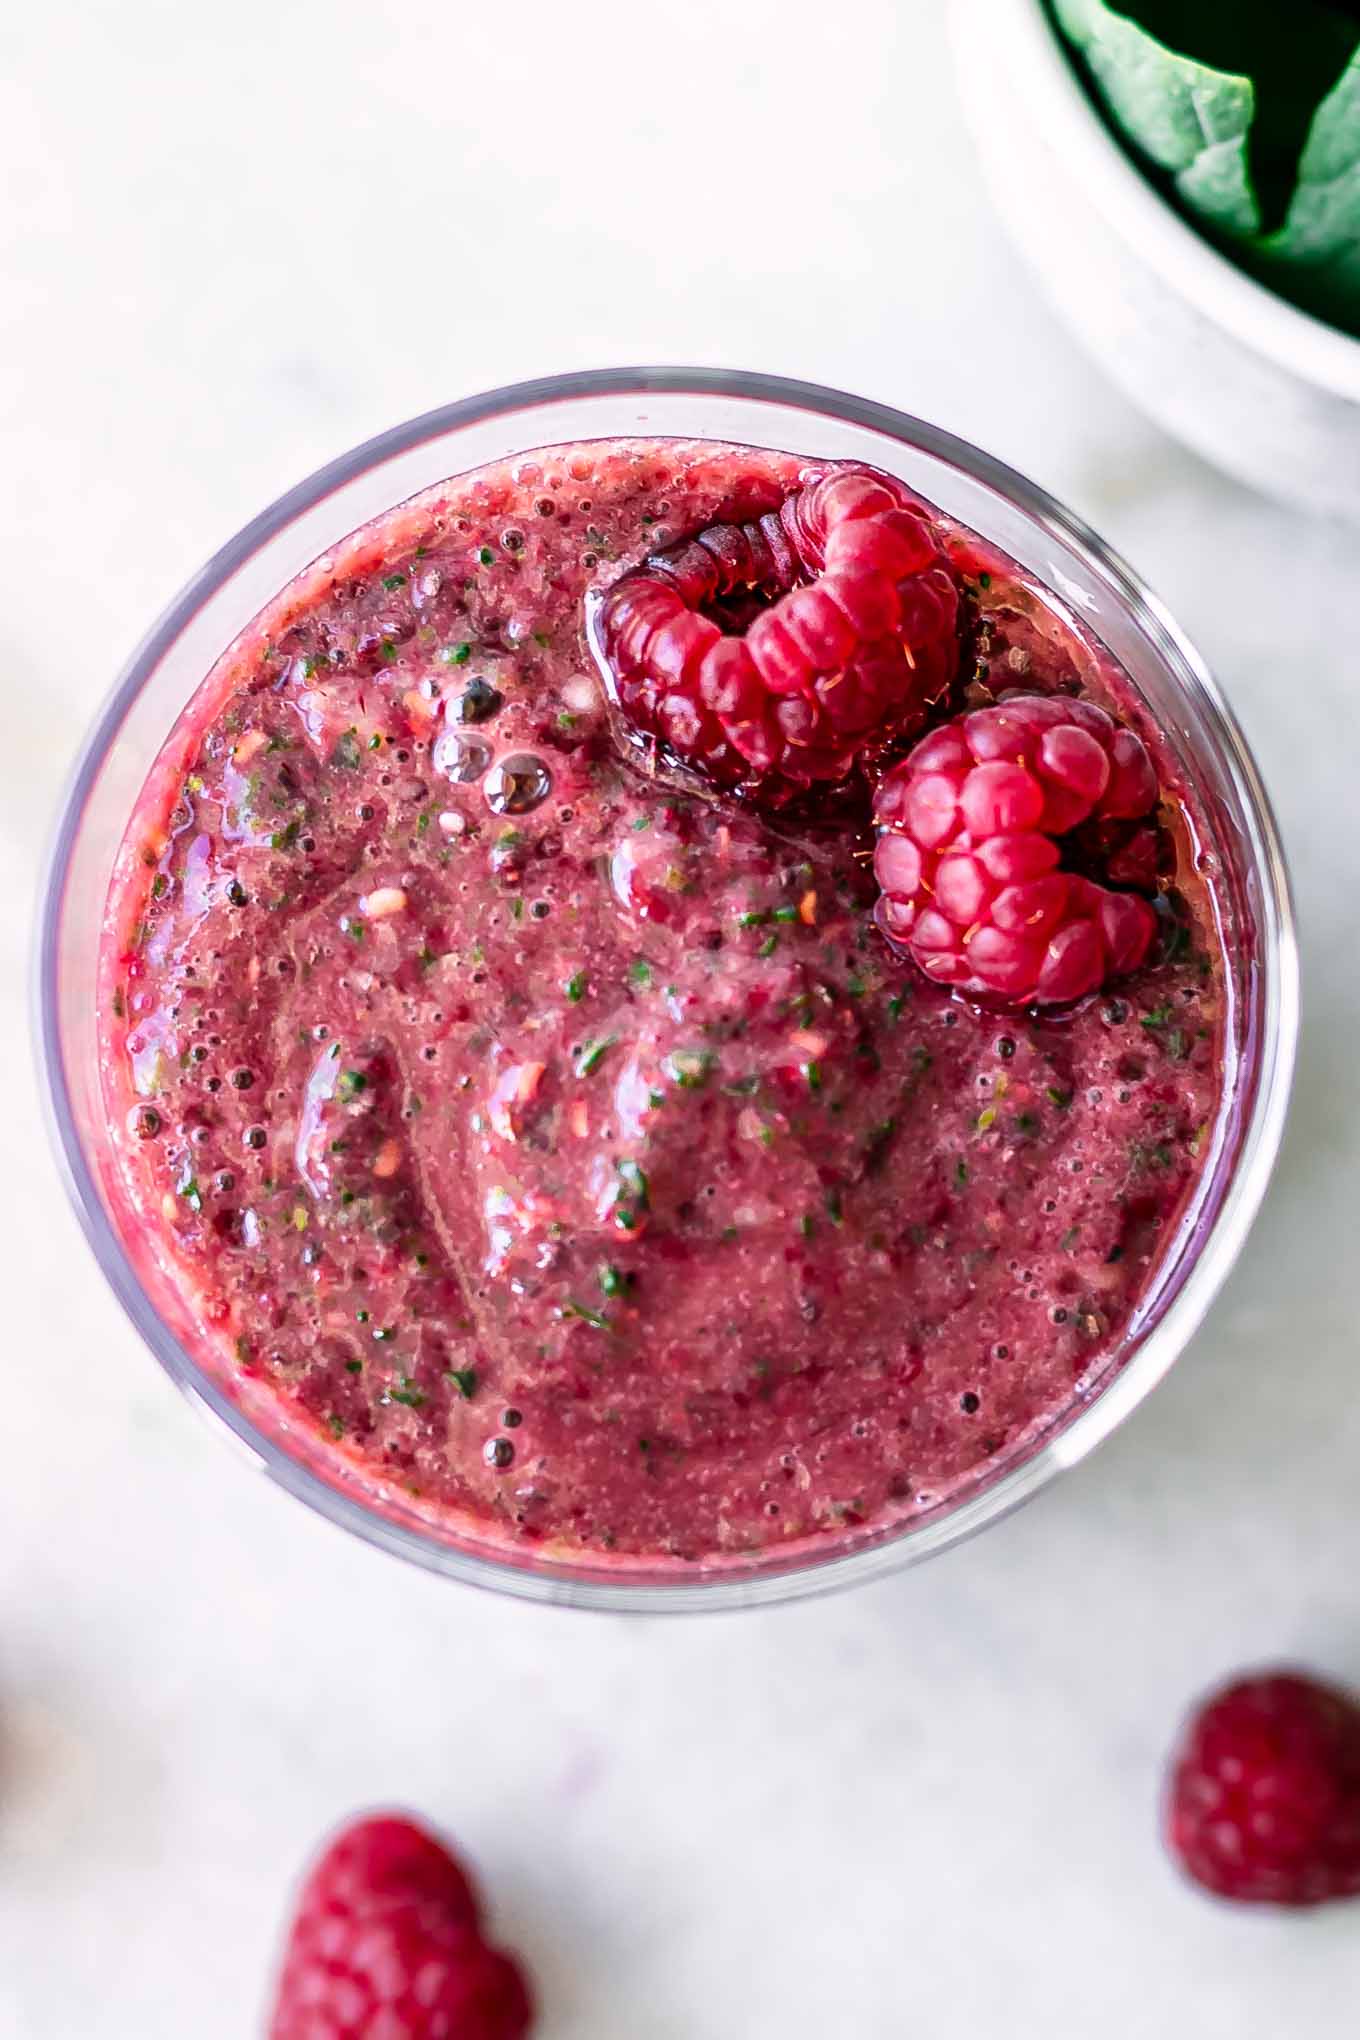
565, 1148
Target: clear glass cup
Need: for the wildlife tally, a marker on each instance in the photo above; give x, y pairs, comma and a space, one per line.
1053, 546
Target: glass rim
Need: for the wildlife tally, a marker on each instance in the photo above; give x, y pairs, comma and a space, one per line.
560, 1581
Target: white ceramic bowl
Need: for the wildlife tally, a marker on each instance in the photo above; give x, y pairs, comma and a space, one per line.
1263, 390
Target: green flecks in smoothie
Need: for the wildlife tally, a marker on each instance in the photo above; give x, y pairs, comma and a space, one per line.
336, 1425
351, 1084
833, 1208
1069, 1239
405, 1393
590, 1054
961, 1173
690, 1068
753, 918
612, 1280
486, 557
812, 1075
572, 1309
346, 753
807, 1225
986, 1119
631, 1198
768, 946
576, 987
640, 971
187, 1188
354, 1366
1057, 1096
464, 1380
388, 652
393, 581
1157, 1017
455, 655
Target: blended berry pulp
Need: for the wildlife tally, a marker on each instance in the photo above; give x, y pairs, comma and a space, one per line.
564, 1148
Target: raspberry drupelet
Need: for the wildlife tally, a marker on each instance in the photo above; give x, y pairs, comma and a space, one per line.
969, 860
855, 633
1264, 1797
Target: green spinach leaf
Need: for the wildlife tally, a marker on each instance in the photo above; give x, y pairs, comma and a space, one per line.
1191, 119
1252, 111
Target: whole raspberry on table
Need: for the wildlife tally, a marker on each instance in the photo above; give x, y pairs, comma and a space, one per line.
968, 855
1264, 1795
766, 654
386, 1944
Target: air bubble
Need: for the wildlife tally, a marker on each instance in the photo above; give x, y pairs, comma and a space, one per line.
518, 784
460, 757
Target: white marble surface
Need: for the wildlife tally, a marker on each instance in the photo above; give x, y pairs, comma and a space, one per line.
236, 241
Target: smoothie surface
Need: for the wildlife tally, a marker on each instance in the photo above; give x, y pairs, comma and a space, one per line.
567, 1149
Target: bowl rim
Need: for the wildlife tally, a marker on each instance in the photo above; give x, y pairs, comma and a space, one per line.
558, 1581
1044, 72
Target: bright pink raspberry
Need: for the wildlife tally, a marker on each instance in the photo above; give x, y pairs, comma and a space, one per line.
1263, 1804
387, 1940
860, 634
969, 867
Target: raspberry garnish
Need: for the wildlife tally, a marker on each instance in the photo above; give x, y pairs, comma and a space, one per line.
970, 871
1264, 1798
387, 1938
857, 634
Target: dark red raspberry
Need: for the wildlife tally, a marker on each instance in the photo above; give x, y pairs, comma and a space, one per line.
387, 1941
970, 871
859, 635
1264, 1798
